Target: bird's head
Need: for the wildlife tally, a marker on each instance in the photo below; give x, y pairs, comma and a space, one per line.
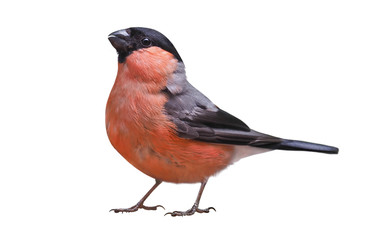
130, 40
145, 55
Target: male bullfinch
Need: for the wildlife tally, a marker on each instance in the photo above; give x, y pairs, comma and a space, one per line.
168, 129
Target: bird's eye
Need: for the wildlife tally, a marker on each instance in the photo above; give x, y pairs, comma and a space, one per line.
146, 42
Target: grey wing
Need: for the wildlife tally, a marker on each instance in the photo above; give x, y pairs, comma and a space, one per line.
196, 117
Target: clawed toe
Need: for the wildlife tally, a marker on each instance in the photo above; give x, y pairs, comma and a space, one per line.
190, 211
122, 210
153, 208
135, 208
207, 210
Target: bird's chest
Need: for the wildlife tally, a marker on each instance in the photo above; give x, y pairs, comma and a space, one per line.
134, 117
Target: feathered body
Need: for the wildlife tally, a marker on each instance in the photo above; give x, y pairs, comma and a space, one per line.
141, 132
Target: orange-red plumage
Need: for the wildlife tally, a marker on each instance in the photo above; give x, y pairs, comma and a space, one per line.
140, 131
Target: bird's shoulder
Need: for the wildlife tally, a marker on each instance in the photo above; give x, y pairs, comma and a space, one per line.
197, 117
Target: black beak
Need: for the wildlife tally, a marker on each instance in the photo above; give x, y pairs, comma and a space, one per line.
120, 40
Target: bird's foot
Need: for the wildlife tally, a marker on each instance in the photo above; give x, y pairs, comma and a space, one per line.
135, 208
190, 212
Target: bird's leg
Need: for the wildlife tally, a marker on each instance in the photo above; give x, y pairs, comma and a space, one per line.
195, 208
140, 203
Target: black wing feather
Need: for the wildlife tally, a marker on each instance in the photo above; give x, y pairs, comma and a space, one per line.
196, 117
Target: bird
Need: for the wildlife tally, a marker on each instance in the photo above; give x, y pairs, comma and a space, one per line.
168, 129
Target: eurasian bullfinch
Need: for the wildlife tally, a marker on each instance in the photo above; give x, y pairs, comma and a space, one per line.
168, 129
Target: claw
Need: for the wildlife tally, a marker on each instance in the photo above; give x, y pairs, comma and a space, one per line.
135, 208
122, 210
153, 208
207, 210
190, 211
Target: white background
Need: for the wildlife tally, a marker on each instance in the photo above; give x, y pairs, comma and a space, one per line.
294, 69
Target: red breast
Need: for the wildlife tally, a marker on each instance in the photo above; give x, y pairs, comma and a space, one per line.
140, 131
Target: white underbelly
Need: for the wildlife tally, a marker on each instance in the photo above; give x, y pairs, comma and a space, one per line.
246, 151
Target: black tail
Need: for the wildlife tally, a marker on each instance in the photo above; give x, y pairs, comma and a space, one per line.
304, 146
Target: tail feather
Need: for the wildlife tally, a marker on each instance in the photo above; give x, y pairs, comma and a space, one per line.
295, 145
